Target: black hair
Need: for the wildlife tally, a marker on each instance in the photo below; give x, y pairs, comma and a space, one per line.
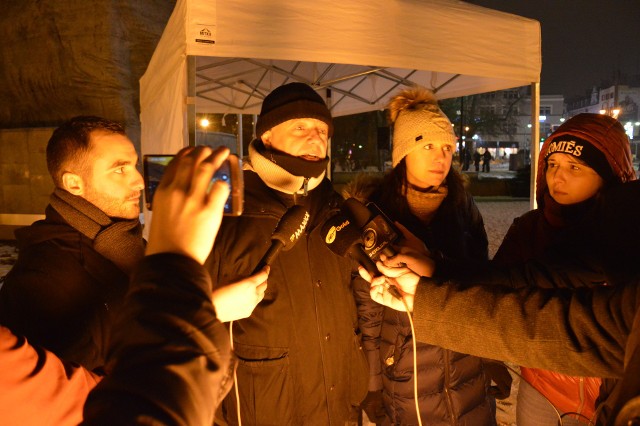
72, 140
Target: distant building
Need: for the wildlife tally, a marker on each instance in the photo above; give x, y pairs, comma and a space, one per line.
514, 107
620, 101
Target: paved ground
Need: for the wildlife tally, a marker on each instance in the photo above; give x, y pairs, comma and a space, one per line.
8, 255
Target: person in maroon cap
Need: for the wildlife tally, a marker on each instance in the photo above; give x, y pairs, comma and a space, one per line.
585, 156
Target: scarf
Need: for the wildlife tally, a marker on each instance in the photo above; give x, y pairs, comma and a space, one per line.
119, 240
283, 172
560, 216
425, 203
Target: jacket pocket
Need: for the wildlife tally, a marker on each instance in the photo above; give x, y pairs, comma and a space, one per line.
265, 386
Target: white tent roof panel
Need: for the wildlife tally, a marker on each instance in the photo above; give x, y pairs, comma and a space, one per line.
362, 50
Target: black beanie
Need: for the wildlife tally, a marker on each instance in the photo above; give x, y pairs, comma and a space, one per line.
584, 151
293, 100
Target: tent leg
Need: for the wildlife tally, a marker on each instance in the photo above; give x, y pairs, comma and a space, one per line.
535, 141
191, 99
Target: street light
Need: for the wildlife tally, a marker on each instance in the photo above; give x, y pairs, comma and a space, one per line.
613, 112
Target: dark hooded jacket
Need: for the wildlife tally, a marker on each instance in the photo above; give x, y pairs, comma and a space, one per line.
169, 357
300, 358
452, 386
61, 293
554, 233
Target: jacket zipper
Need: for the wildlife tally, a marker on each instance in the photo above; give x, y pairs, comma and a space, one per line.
582, 396
305, 186
447, 394
305, 191
323, 349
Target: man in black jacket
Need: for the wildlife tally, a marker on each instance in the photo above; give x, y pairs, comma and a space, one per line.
169, 353
73, 267
299, 352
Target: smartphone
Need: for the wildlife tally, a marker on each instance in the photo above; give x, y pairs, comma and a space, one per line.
229, 172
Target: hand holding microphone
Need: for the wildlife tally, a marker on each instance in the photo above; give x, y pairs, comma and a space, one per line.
238, 300
286, 234
345, 239
395, 289
378, 232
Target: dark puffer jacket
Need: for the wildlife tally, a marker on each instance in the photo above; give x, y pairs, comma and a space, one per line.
452, 386
300, 357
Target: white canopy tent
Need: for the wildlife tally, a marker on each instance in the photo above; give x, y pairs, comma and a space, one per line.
226, 56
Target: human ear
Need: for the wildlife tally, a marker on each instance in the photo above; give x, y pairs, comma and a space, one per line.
73, 183
266, 138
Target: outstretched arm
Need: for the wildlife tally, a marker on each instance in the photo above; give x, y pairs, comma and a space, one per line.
575, 331
169, 357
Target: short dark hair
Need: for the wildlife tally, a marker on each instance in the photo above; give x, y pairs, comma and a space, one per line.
72, 140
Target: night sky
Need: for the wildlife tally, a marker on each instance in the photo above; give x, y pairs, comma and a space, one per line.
584, 42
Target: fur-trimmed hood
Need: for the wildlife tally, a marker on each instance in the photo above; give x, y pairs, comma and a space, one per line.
362, 187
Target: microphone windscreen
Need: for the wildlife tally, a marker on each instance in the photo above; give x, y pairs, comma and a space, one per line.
340, 235
291, 226
357, 211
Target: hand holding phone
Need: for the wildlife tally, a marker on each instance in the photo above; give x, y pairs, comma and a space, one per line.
229, 172
189, 209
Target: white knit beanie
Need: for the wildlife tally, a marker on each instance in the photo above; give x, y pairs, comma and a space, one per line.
417, 120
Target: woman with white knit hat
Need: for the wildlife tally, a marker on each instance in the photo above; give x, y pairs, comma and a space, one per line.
428, 197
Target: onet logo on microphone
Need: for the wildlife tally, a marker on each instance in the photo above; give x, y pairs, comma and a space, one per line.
370, 238
293, 237
331, 235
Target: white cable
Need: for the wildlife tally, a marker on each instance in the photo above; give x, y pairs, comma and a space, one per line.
415, 362
235, 377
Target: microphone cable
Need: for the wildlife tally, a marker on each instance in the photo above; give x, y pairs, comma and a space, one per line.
415, 351
235, 377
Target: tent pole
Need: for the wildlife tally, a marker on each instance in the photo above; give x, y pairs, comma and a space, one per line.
191, 99
239, 137
535, 141
329, 102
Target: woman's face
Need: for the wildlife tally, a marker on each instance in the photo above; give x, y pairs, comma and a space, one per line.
570, 180
429, 165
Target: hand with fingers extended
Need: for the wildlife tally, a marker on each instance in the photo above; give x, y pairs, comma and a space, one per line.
238, 300
402, 278
189, 211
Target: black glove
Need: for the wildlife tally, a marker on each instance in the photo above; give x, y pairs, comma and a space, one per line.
372, 405
498, 372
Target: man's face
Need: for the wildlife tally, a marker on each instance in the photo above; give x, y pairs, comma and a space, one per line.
112, 182
301, 137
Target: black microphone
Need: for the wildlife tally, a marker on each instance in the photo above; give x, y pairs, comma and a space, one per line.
286, 234
378, 232
345, 239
